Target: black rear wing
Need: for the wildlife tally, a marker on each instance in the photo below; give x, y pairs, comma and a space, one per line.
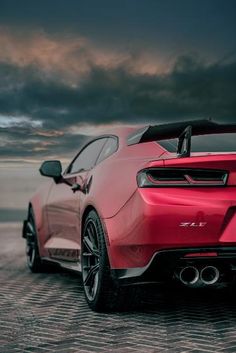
181, 130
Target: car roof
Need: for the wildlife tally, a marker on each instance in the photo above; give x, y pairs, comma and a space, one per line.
121, 130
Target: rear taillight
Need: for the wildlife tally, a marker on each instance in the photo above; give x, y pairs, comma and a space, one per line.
161, 177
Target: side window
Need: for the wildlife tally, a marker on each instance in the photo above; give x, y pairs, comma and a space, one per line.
88, 156
110, 147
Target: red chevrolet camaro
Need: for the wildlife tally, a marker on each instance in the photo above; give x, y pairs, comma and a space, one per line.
140, 205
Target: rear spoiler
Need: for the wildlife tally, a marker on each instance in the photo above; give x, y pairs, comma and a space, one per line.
181, 130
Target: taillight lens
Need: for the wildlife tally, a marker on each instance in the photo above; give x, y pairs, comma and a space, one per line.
160, 177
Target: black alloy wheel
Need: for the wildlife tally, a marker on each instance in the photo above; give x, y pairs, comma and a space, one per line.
91, 257
101, 292
32, 253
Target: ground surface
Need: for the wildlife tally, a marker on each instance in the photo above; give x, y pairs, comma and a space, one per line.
47, 313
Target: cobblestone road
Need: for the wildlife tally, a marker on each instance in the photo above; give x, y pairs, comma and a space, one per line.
42, 313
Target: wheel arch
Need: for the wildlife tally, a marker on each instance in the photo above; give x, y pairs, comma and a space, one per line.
83, 218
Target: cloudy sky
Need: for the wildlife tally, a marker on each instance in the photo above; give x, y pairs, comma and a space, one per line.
69, 68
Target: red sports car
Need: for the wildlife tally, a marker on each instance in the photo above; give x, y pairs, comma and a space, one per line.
140, 205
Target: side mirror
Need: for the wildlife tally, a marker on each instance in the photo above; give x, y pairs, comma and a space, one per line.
52, 169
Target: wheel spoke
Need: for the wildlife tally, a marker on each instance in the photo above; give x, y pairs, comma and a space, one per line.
89, 254
90, 246
89, 279
93, 234
28, 250
30, 230
90, 233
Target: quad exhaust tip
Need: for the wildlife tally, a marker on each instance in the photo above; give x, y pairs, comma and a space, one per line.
209, 275
189, 275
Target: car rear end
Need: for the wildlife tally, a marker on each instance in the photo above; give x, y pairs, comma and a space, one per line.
180, 223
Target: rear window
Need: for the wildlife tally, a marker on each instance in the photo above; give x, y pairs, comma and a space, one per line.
205, 143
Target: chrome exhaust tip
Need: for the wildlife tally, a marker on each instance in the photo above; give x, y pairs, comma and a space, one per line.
209, 275
189, 275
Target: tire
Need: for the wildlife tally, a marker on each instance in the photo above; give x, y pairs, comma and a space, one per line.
32, 251
101, 292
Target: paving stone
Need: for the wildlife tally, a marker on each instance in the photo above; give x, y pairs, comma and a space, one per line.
45, 313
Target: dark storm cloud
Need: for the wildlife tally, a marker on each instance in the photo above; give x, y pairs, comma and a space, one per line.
64, 64
192, 89
166, 25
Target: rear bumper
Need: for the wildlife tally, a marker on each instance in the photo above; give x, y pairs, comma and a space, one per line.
153, 220
165, 263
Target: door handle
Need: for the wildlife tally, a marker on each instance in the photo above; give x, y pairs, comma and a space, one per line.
76, 187
85, 188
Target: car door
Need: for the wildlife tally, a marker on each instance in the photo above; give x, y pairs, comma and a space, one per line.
63, 205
